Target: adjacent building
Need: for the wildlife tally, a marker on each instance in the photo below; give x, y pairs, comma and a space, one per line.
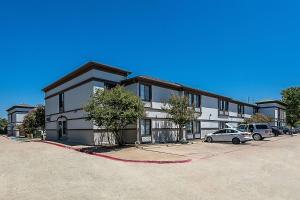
15, 115
66, 119
275, 110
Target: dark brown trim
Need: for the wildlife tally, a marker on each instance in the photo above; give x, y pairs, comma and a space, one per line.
19, 106
74, 110
152, 81
272, 101
85, 68
78, 118
104, 130
179, 87
79, 84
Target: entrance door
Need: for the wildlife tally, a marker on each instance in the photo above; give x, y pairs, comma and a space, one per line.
62, 127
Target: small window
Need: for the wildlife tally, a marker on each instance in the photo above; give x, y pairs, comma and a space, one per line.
145, 127
231, 131
61, 102
222, 125
145, 92
251, 126
197, 101
189, 128
241, 127
241, 109
109, 86
223, 105
255, 110
261, 126
197, 128
220, 131
194, 100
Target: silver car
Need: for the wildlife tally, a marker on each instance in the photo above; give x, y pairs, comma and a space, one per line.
228, 135
259, 130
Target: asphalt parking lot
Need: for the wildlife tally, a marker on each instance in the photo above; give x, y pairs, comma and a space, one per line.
267, 169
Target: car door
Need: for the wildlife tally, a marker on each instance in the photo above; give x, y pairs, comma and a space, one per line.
228, 136
218, 136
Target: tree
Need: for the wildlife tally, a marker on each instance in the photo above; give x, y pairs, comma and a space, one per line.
29, 125
40, 117
180, 113
3, 125
291, 97
258, 118
114, 110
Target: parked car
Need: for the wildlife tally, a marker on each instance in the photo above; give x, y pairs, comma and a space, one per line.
259, 130
296, 130
284, 129
276, 131
228, 135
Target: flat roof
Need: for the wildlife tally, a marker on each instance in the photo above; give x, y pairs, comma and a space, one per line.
271, 101
20, 106
85, 68
180, 87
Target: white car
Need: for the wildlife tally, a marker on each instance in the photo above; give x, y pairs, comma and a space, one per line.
228, 135
259, 130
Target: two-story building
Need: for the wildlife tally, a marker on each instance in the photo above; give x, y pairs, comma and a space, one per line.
15, 116
65, 99
66, 119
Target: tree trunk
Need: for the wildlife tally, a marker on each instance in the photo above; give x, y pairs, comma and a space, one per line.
182, 134
178, 133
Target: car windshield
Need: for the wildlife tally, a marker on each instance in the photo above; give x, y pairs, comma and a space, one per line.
261, 126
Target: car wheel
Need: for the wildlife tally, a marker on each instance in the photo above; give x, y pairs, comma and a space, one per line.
257, 137
209, 139
236, 141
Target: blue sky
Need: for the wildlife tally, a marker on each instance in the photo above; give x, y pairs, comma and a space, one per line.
242, 49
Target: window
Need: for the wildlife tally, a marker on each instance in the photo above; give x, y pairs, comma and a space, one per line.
241, 127
255, 110
109, 86
61, 102
223, 105
197, 127
189, 128
231, 131
222, 125
241, 109
145, 127
145, 92
261, 126
197, 101
191, 99
251, 128
220, 131
194, 100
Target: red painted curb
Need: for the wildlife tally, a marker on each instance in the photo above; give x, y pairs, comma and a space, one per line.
115, 158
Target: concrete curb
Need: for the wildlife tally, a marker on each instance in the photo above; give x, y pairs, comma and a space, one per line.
115, 158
